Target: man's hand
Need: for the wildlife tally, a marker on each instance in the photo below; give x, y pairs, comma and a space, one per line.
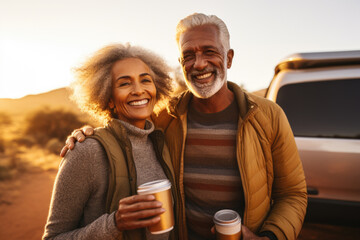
246, 234
249, 235
76, 135
138, 211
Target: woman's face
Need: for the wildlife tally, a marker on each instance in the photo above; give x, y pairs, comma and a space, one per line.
133, 91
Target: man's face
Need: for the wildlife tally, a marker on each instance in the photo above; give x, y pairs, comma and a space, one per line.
204, 60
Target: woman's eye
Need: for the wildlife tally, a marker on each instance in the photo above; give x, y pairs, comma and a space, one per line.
146, 80
123, 84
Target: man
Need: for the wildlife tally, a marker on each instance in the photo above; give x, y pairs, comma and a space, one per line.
230, 149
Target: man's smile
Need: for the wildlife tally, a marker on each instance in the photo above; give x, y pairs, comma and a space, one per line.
203, 76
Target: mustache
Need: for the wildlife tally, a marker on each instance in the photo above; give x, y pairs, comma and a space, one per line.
205, 70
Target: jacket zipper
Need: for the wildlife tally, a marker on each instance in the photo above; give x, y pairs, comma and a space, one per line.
240, 160
181, 175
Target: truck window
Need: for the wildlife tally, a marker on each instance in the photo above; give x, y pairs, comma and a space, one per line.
329, 109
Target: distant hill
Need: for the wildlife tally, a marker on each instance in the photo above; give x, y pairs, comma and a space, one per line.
58, 98
261, 92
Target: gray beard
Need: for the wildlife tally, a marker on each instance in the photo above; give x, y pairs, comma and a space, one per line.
206, 90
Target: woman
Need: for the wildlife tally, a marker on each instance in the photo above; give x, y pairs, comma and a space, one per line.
94, 195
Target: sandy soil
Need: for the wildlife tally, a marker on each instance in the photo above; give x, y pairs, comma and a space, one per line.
24, 204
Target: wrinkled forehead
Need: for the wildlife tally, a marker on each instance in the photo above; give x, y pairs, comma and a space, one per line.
200, 36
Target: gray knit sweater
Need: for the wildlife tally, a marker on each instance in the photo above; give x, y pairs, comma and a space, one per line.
77, 209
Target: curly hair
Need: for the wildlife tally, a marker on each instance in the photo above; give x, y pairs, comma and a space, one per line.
92, 87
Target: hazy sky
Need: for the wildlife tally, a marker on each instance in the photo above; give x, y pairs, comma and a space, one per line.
41, 40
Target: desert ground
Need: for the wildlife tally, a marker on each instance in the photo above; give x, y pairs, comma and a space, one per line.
24, 204
24, 208
29, 161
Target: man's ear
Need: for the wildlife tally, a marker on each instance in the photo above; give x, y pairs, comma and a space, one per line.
181, 61
230, 55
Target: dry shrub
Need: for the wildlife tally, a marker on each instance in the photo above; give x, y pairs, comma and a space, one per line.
5, 173
2, 145
47, 124
26, 141
10, 163
45, 129
5, 119
54, 145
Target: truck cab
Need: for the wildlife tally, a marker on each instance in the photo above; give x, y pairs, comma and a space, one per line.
320, 95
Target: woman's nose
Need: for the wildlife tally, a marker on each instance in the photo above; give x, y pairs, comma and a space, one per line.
137, 89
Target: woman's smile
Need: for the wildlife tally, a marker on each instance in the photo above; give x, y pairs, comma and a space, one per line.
139, 102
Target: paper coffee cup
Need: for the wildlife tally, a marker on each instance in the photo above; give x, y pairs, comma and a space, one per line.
161, 189
227, 225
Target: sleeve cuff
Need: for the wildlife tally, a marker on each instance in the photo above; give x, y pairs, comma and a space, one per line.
112, 227
268, 234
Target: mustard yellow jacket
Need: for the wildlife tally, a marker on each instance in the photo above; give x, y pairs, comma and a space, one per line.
270, 167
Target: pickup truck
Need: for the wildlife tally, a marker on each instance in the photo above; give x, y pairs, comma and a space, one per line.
320, 95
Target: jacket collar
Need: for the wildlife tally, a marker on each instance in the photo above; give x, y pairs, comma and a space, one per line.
179, 105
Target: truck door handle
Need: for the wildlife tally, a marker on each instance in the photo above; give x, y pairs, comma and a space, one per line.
312, 191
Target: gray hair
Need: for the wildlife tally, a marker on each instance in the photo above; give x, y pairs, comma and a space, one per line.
200, 19
92, 87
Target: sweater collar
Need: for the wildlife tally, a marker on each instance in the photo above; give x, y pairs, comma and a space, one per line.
134, 131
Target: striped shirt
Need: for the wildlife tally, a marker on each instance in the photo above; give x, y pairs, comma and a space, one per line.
211, 177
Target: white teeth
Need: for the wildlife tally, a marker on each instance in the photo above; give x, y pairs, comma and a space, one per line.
137, 103
203, 76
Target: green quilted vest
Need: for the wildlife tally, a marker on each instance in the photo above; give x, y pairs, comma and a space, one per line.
122, 171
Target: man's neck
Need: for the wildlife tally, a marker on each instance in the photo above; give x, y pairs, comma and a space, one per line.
216, 103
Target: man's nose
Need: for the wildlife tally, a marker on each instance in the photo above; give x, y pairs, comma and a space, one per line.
200, 62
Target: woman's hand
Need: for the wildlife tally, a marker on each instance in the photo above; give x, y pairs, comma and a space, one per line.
138, 211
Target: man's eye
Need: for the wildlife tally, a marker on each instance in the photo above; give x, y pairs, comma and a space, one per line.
188, 57
209, 52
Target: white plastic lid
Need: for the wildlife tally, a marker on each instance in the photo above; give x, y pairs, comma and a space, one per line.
227, 222
227, 217
154, 187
